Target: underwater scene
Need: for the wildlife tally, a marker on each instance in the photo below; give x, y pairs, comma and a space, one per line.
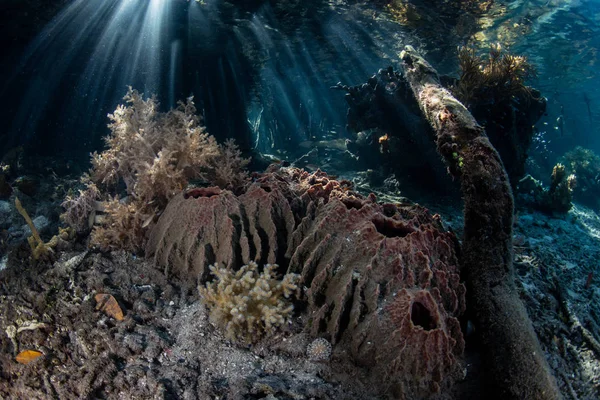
300, 199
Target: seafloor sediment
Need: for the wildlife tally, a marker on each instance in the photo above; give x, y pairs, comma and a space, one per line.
167, 348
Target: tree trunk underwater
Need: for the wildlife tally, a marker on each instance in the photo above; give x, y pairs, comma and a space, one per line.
515, 365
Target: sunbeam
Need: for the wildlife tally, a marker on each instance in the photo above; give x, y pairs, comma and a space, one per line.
325, 199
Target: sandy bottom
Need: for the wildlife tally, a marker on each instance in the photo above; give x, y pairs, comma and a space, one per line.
165, 348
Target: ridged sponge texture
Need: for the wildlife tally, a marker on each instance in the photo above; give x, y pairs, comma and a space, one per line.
202, 227
381, 280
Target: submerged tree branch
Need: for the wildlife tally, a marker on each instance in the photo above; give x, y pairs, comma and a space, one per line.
515, 366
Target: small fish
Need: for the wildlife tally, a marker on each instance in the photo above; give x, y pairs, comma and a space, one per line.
384, 144
560, 125
271, 158
560, 122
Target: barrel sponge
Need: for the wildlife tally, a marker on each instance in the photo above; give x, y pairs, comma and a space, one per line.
422, 342
381, 281
383, 285
202, 227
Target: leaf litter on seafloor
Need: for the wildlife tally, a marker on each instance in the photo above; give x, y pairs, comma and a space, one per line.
27, 356
109, 305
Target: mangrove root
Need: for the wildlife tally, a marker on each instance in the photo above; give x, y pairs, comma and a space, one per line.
515, 366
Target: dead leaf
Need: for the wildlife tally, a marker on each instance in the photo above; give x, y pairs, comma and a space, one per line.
27, 356
109, 305
148, 221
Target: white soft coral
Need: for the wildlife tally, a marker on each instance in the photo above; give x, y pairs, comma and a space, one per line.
155, 155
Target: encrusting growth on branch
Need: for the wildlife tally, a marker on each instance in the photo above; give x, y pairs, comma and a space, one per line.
515, 364
497, 78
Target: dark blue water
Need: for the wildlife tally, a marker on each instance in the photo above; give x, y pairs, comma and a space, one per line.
261, 72
562, 39
257, 76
